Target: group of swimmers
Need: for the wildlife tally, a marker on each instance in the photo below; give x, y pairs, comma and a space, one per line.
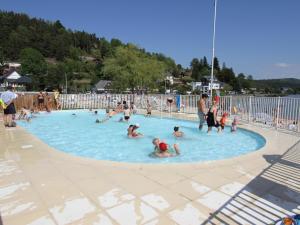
127, 110
161, 148
210, 115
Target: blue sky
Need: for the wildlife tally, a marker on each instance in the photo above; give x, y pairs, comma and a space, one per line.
258, 37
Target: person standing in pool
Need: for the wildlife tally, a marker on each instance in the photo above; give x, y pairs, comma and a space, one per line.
212, 116
133, 108
234, 124
222, 123
127, 113
202, 110
48, 102
149, 108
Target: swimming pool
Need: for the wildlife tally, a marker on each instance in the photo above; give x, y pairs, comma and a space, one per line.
79, 135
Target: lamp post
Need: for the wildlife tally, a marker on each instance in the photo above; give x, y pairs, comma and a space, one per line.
213, 51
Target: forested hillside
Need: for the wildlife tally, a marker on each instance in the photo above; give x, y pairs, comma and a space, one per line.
48, 51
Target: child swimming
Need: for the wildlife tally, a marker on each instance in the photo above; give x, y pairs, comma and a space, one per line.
163, 150
129, 130
25, 114
177, 133
103, 120
234, 124
133, 132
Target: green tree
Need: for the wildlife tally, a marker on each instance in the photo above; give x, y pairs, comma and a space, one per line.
34, 65
249, 77
114, 42
244, 83
227, 88
216, 64
236, 85
195, 66
204, 62
226, 75
130, 68
55, 76
2, 59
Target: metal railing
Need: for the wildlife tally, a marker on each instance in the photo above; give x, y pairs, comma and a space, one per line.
273, 112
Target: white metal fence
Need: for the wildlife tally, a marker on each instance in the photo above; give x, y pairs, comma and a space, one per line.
273, 112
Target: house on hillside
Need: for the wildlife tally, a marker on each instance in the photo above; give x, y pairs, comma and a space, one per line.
14, 79
205, 86
102, 86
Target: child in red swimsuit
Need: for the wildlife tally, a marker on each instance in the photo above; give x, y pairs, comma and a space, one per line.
162, 149
223, 121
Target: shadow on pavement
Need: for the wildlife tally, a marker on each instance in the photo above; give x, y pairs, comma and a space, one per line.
272, 195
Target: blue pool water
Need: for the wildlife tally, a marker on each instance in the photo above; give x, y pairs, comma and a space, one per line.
81, 136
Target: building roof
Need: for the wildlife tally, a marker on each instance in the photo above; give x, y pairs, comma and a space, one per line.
13, 76
23, 80
102, 84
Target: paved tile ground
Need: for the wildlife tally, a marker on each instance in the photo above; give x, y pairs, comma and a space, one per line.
42, 186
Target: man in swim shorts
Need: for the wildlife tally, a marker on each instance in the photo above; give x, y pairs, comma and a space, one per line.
201, 104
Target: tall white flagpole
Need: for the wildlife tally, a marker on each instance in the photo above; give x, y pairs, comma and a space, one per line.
213, 52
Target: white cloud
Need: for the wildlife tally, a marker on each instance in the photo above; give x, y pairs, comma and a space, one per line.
282, 65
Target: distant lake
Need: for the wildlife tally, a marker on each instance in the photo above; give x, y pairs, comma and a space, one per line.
293, 96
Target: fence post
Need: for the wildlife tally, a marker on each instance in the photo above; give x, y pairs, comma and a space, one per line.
230, 105
250, 109
277, 112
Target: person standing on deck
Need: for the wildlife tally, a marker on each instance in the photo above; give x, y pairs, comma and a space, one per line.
41, 101
8, 98
201, 104
56, 99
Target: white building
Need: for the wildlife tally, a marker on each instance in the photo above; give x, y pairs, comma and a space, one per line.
170, 78
205, 87
196, 86
14, 79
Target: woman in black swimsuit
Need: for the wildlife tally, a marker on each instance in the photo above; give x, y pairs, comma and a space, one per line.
212, 117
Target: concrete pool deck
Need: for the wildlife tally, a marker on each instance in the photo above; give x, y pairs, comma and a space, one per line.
41, 185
